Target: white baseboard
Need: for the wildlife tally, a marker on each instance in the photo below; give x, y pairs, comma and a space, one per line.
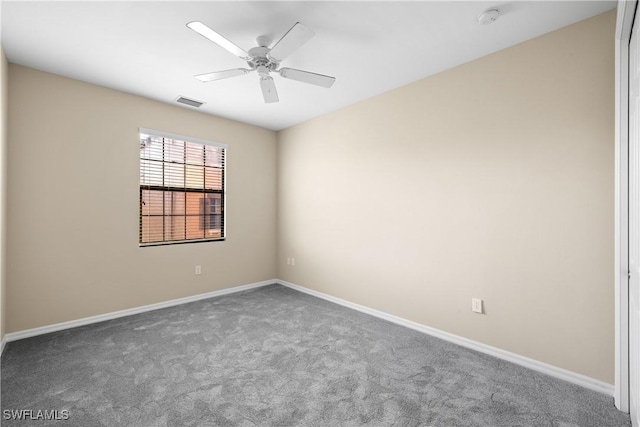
563, 374
535, 365
13, 336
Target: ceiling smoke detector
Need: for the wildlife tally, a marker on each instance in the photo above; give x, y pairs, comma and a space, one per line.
488, 16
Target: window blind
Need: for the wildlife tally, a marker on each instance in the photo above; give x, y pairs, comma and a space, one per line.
182, 189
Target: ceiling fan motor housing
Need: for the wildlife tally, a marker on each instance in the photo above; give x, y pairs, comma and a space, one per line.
259, 58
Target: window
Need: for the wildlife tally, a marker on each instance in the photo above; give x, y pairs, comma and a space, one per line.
182, 183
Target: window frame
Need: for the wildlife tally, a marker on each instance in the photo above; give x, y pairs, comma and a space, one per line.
222, 192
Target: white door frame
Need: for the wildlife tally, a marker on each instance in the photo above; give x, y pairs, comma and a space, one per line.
624, 23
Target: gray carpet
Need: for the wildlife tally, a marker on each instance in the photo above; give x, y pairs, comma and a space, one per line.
277, 357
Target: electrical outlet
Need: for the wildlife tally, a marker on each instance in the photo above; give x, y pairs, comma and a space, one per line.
198, 269
293, 262
288, 261
476, 305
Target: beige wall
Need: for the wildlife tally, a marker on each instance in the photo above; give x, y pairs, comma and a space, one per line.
491, 180
4, 97
73, 203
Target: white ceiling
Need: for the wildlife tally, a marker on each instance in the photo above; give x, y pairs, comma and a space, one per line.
145, 48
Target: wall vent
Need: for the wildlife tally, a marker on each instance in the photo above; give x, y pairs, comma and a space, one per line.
189, 102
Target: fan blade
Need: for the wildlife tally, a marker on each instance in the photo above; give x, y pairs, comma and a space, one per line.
292, 40
219, 75
208, 33
268, 89
307, 77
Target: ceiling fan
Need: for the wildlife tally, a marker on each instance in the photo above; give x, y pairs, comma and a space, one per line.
264, 59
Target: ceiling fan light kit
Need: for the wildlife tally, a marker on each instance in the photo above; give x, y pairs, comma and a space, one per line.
264, 60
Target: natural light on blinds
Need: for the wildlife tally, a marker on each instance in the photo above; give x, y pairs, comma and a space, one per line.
182, 183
